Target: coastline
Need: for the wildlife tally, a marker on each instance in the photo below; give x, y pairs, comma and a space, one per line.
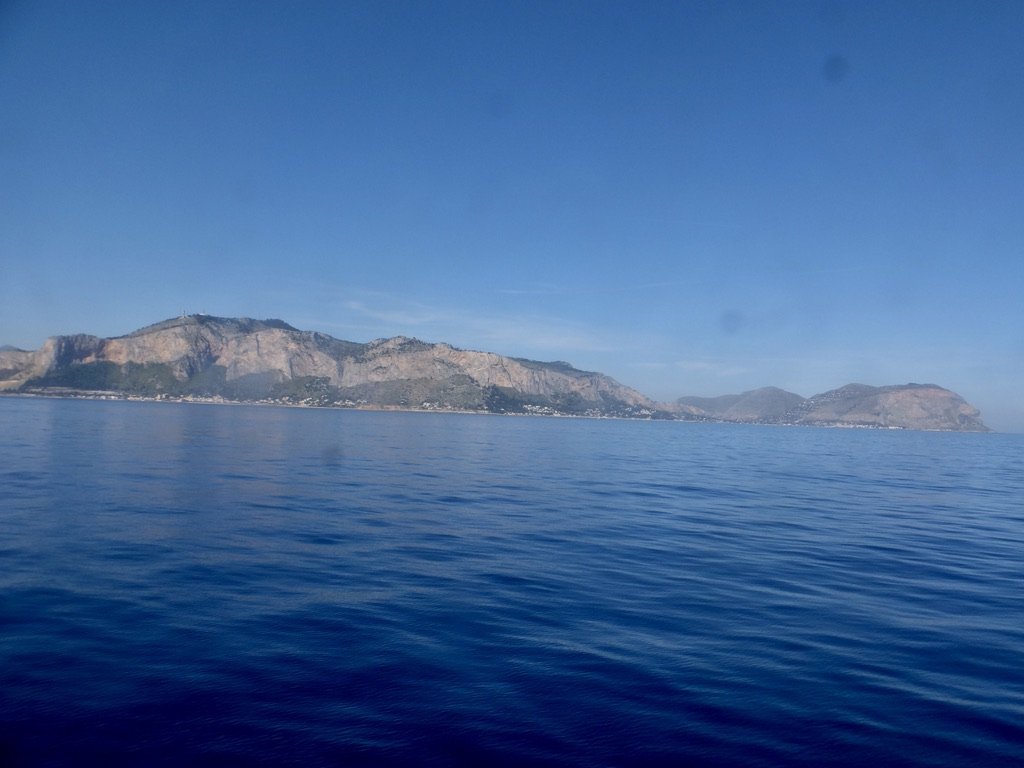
110, 395
56, 393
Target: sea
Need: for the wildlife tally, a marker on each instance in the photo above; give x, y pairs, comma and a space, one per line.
216, 585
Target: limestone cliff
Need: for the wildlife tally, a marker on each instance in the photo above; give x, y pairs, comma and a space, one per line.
245, 359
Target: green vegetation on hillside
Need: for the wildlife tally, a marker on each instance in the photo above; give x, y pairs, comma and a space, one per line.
133, 378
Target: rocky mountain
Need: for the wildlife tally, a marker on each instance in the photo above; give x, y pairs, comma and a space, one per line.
907, 406
767, 404
269, 360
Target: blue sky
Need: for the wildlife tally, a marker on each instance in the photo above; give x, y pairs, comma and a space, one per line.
695, 198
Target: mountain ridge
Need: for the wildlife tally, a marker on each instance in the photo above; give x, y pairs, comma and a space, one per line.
245, 359
270, 360
894, 406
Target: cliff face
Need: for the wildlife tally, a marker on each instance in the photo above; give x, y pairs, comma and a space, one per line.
243, 347
907, 406
240, 358
14, 365
18, 366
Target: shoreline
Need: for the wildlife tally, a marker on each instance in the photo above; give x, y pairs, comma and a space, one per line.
110, 395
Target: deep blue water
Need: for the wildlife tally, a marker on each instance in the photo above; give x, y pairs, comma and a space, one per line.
218, 585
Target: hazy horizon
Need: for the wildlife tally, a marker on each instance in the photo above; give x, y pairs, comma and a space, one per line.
693, 199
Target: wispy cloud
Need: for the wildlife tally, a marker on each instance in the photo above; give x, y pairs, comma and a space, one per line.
517, 333
583, 290
545, 333
545, 289
711, 367
411, 315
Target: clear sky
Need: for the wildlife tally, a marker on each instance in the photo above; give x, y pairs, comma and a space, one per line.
696, 198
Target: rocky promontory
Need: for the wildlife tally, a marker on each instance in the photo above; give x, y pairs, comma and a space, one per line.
269, 360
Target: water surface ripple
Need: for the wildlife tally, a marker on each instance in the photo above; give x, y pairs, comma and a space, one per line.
214, 585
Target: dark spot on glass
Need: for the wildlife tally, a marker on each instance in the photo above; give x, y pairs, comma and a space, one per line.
835, 68
731, 321
332, 455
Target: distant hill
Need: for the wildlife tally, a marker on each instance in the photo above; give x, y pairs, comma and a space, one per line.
906, 406
269, 360
767, 404
913, 406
